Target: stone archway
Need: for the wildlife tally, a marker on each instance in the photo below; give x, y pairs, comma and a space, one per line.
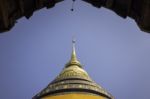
11, 10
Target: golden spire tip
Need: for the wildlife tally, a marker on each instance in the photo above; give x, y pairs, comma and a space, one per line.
73, 57
73, 61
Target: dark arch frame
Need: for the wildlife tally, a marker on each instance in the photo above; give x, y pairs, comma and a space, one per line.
135, 9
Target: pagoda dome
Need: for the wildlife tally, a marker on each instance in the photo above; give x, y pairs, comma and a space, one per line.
73, 83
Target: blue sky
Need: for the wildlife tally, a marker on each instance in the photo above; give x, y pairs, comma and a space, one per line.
112, 50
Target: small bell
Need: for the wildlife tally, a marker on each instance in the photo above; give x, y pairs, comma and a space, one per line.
72, 9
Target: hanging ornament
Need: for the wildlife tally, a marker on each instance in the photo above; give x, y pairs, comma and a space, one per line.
72, 9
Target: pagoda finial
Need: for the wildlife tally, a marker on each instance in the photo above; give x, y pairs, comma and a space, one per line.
73, 60
73, 57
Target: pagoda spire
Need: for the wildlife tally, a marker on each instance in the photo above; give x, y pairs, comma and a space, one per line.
73, 82
73, 61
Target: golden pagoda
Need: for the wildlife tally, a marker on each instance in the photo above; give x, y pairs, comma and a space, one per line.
73, 83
